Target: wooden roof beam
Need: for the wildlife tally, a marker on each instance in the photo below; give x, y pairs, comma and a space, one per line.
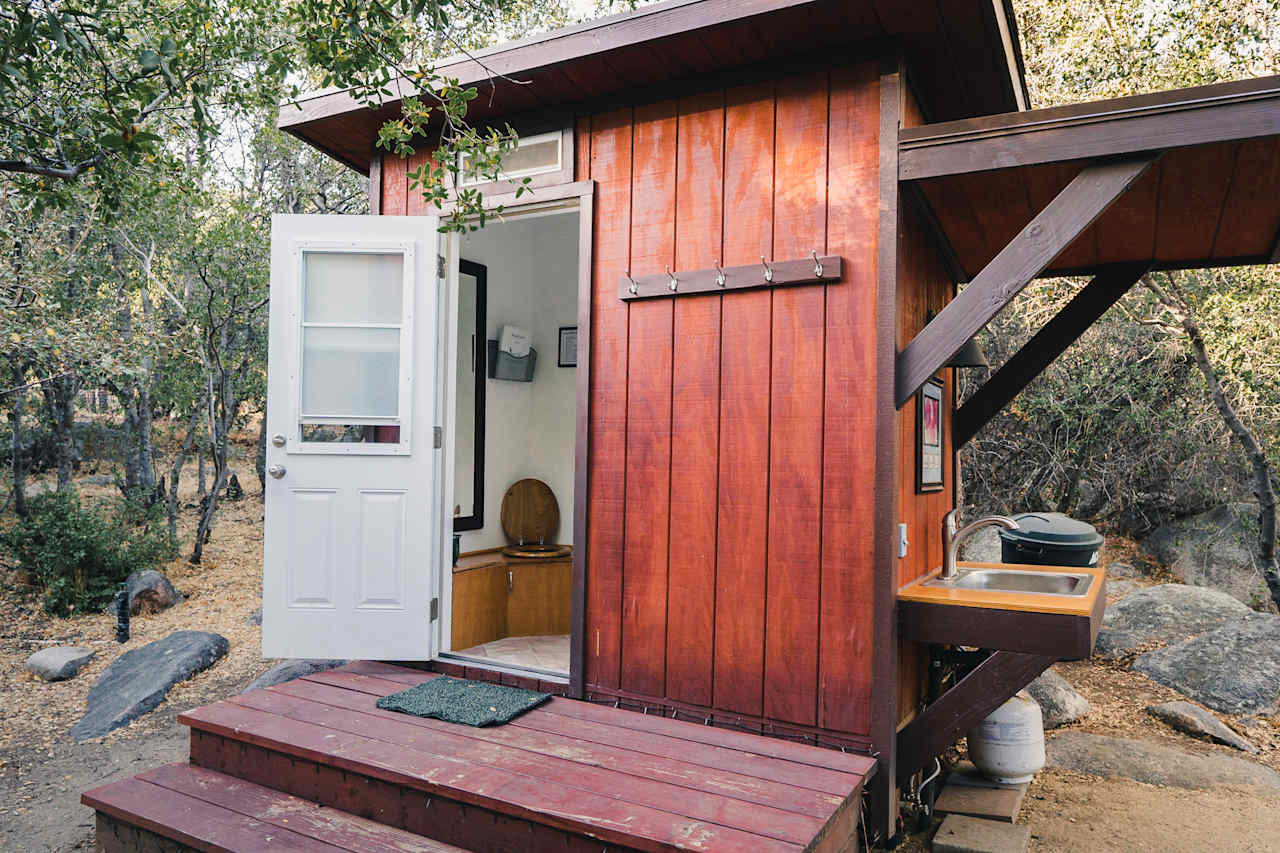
1074, 209
1084, 309
1225, 112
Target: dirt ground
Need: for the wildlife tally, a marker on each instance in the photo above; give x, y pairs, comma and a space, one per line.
42, 772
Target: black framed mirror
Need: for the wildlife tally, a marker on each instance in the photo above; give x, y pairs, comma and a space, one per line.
468, 446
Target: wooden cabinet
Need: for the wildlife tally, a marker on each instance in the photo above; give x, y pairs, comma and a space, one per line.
495, 596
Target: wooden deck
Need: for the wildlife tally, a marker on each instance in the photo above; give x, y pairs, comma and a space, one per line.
567, 776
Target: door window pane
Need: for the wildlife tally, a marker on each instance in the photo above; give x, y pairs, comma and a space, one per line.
352, 287
352, 372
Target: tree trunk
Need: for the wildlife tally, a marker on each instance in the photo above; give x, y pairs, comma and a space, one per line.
129, 456
175, 472
60, 399
1262, 487
19, 464
202, 487
260, 458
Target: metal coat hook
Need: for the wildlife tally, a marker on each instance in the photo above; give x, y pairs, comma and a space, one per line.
719, 274
634, 288
817, 264
768, 270
675, 282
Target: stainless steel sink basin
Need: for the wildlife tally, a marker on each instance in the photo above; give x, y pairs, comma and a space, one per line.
1013, 580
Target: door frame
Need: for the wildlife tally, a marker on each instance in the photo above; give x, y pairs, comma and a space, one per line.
531, 202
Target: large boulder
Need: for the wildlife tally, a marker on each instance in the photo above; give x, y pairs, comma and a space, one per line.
150, 591
981, 546
1217, 549
1153, 763
1234, 669
1058, 700
1168, 613
291, 669
138, 680
59, 663
1197, 722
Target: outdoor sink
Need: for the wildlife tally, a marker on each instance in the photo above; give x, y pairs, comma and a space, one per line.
1012, 580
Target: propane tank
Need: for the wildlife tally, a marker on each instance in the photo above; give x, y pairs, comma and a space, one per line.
1008, 746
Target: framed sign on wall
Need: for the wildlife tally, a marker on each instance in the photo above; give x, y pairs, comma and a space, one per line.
929, 437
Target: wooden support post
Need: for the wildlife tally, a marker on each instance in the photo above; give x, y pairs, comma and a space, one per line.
986, 688
1275, 248
1074, 209
1085, 308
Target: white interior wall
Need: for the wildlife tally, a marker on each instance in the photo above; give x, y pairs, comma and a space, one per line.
532, 266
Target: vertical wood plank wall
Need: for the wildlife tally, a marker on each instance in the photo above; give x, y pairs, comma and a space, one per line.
732, 437
923, 285
732, 443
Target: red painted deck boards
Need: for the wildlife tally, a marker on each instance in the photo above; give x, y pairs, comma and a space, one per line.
215, 812
617, 776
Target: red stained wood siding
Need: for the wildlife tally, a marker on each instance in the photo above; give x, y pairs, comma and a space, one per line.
732, 441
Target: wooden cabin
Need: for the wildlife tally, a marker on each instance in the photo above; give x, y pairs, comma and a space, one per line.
737, 273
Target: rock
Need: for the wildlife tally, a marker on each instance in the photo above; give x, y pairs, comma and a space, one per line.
1216, 549
1058, 700
1234, 669
1117, 590
289, 670
1198, 722
1168, 613
100, 480
58, 663
254, 618
150, 592
1154, 763
982, 546
138, 680
1121, 569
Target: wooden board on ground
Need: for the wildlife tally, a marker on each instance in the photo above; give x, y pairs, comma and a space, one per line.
994, 803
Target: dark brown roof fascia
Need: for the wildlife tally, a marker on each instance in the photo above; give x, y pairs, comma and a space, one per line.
646, 24
1181, 117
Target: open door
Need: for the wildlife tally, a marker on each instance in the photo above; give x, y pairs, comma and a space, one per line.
351, 540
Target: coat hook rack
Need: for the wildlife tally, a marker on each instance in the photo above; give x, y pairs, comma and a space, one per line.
815, 269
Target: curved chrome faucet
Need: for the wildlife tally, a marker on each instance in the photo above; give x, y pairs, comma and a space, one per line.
951, 538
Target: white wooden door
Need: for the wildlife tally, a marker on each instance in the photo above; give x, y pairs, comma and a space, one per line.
350, 552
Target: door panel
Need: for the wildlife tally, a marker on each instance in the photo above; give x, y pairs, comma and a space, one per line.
351, 542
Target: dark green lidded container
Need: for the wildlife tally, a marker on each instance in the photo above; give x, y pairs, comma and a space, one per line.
1050, 539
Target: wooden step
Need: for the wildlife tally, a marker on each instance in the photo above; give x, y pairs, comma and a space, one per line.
183, 807
566, 776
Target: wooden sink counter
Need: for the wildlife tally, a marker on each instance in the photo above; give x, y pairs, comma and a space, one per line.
1059, 625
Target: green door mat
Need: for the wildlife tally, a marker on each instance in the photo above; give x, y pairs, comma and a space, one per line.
460, 700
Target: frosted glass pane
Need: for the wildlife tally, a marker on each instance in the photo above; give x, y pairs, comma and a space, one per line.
350, 372
533, 156
352, 287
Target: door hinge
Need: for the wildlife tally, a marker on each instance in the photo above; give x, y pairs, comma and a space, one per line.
433, 612
440, 266
438, 436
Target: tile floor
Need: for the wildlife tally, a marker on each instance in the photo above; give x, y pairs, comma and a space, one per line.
549, 652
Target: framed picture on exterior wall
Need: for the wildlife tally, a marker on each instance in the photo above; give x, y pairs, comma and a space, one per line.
929, 437
568, 351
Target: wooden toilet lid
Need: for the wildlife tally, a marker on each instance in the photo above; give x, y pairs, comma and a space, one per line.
530, 513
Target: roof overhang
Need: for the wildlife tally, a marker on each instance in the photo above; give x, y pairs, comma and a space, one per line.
1212, 198
962, 61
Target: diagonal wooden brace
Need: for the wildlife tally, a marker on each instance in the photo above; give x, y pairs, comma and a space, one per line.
987, 687
1058, 334
1074, 209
